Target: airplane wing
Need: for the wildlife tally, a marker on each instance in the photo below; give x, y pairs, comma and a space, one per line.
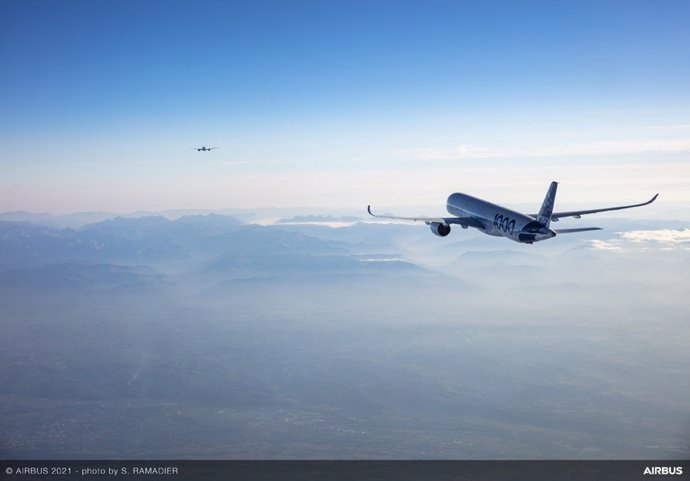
577, 213
463, 221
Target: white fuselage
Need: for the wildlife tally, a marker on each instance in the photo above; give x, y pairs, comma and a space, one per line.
497, 220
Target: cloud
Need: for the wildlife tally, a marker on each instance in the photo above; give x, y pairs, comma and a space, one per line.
663, 236
601, 245
671, 126
625, 147
659, 239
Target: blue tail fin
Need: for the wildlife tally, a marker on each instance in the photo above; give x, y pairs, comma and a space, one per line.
544, 217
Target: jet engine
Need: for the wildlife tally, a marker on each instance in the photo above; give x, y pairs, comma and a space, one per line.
440, 229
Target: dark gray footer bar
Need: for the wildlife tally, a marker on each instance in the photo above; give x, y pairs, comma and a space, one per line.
346, 470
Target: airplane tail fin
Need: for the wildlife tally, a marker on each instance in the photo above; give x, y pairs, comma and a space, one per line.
544, 217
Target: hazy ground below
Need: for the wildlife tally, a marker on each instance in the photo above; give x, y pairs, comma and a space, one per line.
208, 338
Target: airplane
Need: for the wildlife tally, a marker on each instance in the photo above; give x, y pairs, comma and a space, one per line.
204, 149
499, 221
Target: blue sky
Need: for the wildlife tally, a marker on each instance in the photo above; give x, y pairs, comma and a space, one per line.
338, 104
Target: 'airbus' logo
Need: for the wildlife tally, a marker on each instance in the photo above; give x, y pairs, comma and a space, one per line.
663, 470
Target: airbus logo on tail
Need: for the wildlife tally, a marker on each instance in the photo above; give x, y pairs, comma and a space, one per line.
544, 216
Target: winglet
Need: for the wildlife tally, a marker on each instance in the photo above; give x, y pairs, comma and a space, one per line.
369, 210
653, 199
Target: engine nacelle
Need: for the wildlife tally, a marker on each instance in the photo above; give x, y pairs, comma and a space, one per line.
440, 229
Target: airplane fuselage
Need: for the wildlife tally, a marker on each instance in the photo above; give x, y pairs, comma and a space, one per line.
497, 220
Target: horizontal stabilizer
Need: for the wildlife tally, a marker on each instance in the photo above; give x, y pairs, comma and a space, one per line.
570, 231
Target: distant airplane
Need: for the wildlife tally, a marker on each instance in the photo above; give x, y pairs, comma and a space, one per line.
499, 221
204, 149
